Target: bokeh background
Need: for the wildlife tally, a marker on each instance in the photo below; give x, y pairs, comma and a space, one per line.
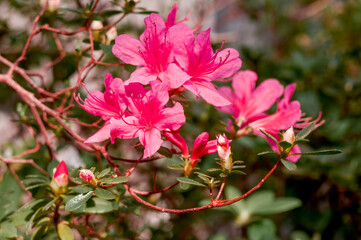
316, 44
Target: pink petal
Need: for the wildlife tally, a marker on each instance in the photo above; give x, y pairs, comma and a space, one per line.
210, 148
202, 47
171, 118
125, 128
177, 140
172, 16
174, 76
151, 140
243, 84
101, 135
159, 91
230, 96
142, 75
129, 50
154, 25
210, 94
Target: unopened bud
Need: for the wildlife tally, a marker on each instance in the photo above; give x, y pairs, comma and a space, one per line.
59, 182
87, 176
224, 152
289, 135
96, 25
111, 34
53, 5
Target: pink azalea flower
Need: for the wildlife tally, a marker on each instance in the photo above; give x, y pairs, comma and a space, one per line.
196, 57
108, 104
154, 52
146, 117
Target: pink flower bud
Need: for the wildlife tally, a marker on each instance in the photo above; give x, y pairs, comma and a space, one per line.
224, 151
111, 34
61, 175
53, 5
86, 175
96, 25
289, 135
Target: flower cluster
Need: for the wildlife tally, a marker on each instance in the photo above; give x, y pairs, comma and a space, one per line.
171, 58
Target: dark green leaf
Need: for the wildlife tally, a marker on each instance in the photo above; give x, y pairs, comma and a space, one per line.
279, 205
238, 172
110, 13
176, 167
38, 233
99, 205
214, 170
269, 135
35, 186
31, 220
104, 173
285, 144
102, 193
77, 180
321, 152
298, 141
65, 232
81, 189
114, 180
165, 152
267, 153
106, 48
49, 204
305, 132
189, 181
289, 165
77, 201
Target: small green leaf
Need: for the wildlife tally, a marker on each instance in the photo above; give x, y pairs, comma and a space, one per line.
104, 173
110, 13
99, 205
105, 194
267, 153
321, 152
238, 172
176, 167
285, 144
77, 201
49, 204
166, 152
189, 181
35, 186
38, 233
298, 141
65, 232
279, 205
77, 180
238, 166
238, 162
305, 132
289, 165
30, 222
269, 135
81, 189
114, 180
222, 175
105, 48
214, 170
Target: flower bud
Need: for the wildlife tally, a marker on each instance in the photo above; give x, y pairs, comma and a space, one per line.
87, 176
59, 183
53, 5
96, 25
289, 135
111, 34
224, 152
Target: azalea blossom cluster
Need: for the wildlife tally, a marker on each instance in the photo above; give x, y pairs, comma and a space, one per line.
172, 58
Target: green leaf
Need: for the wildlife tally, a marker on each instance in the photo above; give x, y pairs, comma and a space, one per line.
176, 167
105, 48
259, 198
305, 132
321, 152
35, 186
110, 13
189, 181
267, 153
214, 170
298, 141
289, 165
165, 152
238, 172
81, 189
99, 205
38, 233
269, 135
77, 201
114, 180
8, 230
77, 180
49, 204
65, 232
105, 194
104, 173
285, 144
30, 222
278, 206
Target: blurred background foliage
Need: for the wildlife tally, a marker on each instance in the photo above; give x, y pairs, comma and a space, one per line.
316, 44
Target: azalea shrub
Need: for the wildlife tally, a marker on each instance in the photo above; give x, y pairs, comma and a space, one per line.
143, 145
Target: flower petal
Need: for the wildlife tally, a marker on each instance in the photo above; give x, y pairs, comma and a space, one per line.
174, 76
171, 118
129, 50
151, 140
